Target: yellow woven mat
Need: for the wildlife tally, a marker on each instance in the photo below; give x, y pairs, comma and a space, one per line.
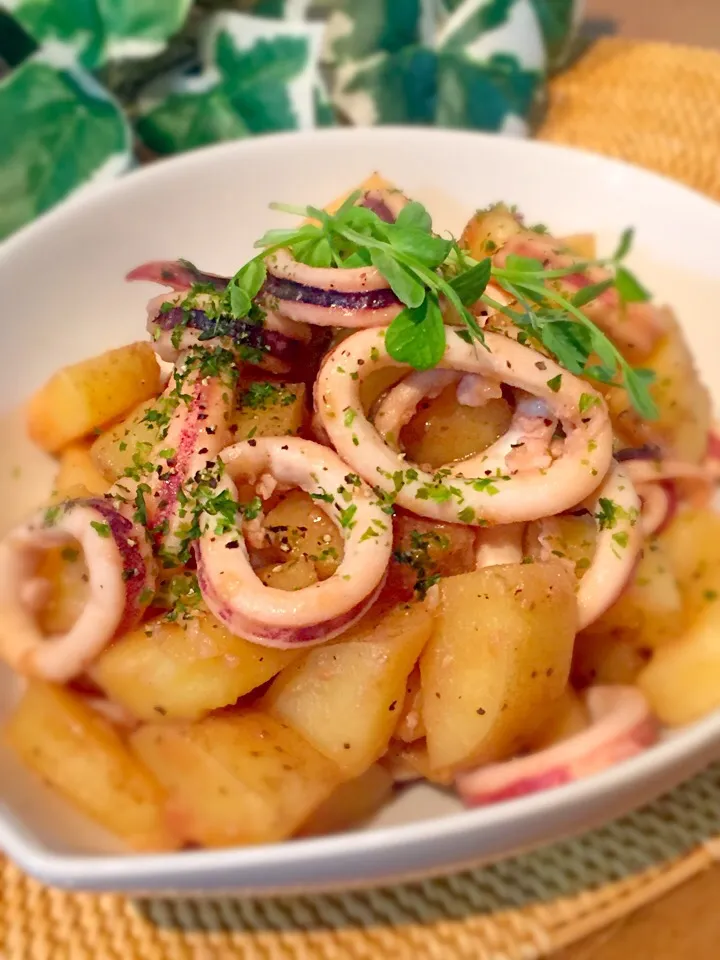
654, 105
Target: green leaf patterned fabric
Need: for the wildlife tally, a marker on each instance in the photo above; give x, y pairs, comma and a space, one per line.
558, 19
259, 76
476, 63
60, 129
89, 76
97, 31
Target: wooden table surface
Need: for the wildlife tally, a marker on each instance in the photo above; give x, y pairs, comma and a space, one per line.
684, 925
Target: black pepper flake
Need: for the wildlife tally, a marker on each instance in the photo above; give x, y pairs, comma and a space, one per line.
209, 464
392, 706
202, 416
202, 450
232, 544
161, 710
285, 447
233, 428
252, 443
541, 365
346, 746
480, 711
211, 430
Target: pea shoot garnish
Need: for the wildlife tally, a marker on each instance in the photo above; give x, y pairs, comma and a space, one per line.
433, 276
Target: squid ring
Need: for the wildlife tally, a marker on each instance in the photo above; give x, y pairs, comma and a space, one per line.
615, 507
621, 726
280, 618
491, 495
328, 296
121, 583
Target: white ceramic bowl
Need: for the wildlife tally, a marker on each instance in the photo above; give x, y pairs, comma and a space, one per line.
64, 298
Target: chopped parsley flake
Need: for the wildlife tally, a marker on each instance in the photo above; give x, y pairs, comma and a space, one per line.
587, 401
607, 515
346, 516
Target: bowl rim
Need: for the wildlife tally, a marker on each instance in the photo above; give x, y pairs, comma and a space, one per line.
92, 193
123, 870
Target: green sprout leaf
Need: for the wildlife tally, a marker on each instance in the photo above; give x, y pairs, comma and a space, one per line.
404, 285
471, 285
414, 215
591, 292
417, 335
629, 287
245, 286
625, 244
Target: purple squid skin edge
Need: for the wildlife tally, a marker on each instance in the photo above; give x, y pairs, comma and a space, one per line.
335, 299
240, 331
648, 451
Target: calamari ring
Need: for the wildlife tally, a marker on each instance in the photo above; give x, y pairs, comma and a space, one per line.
697, 482
616, 509
621, 726
329, 296
659, 504
121, 583
185, 454
487, 497
280, 618
174, 331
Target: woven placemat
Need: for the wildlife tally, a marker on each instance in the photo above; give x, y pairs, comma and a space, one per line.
655, 105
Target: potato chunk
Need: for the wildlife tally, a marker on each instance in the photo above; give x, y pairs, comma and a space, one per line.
87, 395
345, 696
81, 755
236, 779
569, 716
692, 545
298, 528
498, 660
183, 670
682, 399
76, 470
350, 803
444, 430
682, 681
293, 575
410, 725
129, 443
648, 614
489, 229
268, 409
581, 244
